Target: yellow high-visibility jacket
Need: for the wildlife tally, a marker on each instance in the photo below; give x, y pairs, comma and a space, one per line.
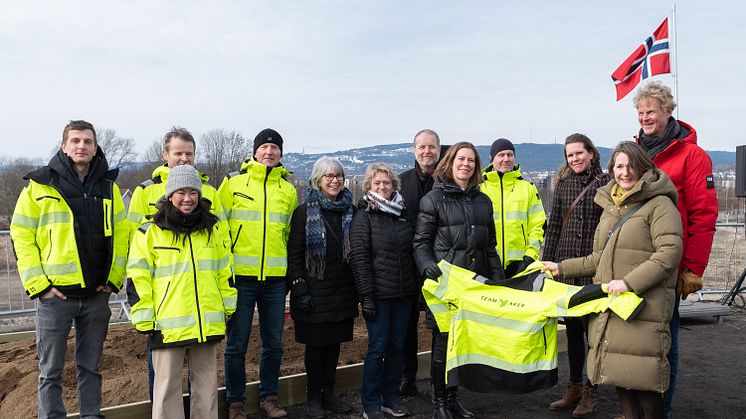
182, 289
503, 336
258, 203
43, 234
518, 212
147, 194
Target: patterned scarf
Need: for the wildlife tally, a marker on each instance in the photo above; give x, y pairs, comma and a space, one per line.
316, 229
393, 206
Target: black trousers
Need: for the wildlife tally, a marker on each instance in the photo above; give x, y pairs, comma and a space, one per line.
321, 366
411, 343
577, 346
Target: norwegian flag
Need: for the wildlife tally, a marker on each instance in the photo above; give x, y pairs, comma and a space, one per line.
649, 59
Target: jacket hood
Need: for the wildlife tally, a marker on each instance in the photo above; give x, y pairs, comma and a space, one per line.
163, 170
60, 165
654, 182
251, 165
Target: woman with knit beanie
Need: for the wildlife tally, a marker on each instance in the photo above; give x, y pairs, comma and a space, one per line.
181, 281
323, 300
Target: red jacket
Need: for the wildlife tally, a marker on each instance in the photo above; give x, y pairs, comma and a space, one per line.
690, 169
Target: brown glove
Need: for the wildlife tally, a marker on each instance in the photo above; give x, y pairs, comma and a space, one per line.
687, 283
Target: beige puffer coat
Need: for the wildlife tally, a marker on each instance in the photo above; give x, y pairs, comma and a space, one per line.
645, 253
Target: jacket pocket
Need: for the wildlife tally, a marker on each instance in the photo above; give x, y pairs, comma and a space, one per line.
242, 195
108, 217
238, 234
163, 300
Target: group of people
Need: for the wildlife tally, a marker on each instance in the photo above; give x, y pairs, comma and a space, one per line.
198, 261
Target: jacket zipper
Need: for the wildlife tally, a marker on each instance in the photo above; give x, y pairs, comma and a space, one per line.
502, 225
165, 294
544, 333
238, 234
264, 230
49, 255
196, 294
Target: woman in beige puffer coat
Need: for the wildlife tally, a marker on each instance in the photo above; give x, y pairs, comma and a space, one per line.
641, 256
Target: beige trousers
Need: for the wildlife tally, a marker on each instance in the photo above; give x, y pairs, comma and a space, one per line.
203, 376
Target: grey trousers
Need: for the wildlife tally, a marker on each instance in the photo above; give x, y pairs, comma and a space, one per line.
54, 318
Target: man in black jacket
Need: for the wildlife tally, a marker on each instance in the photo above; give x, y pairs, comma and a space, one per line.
415, 183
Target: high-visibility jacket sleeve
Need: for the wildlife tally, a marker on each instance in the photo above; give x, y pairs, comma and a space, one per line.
23, 230
536, 223
140, 269
435, 297
594, 299
138, 209
121, 242
226, 283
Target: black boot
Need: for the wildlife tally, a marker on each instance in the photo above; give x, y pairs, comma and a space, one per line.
334, 403
440, 399
314, 407
454, 405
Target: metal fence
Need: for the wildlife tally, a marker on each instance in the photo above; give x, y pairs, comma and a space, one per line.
727, 259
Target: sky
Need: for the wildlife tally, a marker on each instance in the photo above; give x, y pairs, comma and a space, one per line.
332, 75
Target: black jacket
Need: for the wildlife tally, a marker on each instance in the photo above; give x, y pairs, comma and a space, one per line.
382, 254
413, 187
457, 226
85, 200
334, 295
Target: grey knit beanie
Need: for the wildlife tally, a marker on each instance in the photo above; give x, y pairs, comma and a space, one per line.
182, 177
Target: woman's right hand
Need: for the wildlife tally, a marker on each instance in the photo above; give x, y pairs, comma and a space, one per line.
550, 266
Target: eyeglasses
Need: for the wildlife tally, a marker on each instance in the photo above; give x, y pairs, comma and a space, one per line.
330, 176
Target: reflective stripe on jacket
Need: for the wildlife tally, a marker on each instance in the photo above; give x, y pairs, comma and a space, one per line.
182, 287
258, 203
147, 194
43, 234
519, 214
503, 335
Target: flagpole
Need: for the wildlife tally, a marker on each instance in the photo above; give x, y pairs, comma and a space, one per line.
675, 60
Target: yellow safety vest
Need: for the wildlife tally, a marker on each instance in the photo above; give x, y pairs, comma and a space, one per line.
43, 234
518, 212
182, 288
503, 337
258, 204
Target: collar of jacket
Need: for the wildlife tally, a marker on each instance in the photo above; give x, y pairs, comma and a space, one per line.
59, 166
452, 188
161, 172
256, 169
491, 175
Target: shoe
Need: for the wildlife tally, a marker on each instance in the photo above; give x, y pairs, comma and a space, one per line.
334, 403
454, 405
588, 403
570, 399
271, 409
374, 415
396, 410
408, 389
314, 406
235, 411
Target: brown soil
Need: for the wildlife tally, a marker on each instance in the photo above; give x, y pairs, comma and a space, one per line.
124, 367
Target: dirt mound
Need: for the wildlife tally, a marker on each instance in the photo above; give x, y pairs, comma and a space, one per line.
124, 367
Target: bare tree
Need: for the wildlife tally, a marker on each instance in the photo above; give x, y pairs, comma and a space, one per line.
118, 150
154, 153
222, 152
12, 172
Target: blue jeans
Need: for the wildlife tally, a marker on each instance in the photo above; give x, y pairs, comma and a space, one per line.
269, 298
54, 319
384, 360
673, 359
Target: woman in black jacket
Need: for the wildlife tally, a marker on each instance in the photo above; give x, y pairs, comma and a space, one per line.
570, 229
455, 224
386, 280
323, 300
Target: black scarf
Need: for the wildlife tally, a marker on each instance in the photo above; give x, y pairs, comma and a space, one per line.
655, 145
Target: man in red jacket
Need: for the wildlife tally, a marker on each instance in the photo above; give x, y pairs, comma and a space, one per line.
672, 145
